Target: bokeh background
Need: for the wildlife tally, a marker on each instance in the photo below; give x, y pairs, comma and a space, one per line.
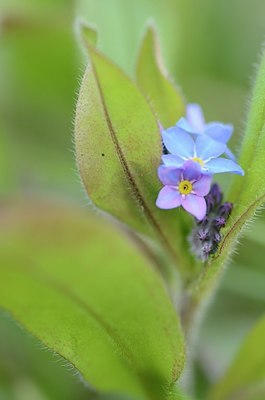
211, 48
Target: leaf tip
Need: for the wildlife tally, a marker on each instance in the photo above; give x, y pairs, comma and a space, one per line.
151, 25
86, 32
150, 31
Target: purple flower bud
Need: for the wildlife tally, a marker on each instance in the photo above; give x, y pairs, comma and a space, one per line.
207, 248
203, 223
217, 237
206, 235
209, 202
203, 234
216, 194
225, 209
219, 222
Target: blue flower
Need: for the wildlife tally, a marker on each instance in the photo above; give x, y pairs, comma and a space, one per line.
186, 187
204, 150
194, 123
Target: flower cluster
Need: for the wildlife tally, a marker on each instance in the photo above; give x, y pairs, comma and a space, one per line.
193, 150
206, 235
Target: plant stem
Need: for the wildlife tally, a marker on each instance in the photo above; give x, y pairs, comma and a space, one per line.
199, 294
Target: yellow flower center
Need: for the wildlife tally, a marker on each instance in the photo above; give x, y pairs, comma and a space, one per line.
198, 160
185, 187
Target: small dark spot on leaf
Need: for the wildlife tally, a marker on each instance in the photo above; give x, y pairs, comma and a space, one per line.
103, 154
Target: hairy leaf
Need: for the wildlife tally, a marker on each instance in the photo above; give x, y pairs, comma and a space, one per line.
245, 379
24, 365
248, 192
155, 83
177, 394
118, 149
253, 142
88, 33
81, 287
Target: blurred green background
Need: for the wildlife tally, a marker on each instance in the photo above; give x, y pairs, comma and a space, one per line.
210, 48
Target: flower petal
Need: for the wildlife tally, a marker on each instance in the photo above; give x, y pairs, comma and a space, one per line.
219, 165
191, 170
168, 198
207, 148
184, 124
195, 117
178, 142
203, 185
229, 154
218, 131
195, 205
169, 176
172, 161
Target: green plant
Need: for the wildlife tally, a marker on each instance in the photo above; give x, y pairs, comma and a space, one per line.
120, 302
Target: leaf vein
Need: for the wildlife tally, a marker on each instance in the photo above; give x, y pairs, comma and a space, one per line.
135, 189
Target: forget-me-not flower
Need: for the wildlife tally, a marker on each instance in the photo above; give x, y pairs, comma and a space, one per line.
203, 150
186, 187
195, 124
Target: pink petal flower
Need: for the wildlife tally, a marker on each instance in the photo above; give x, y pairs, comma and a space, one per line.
202, 186
169, 176
168, 198
195, 205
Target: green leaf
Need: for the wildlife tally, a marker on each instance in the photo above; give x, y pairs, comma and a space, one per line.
256, 234
177, 394
88, 33
253, 143
155, 82
118, 150
28, 372
245, 379
81, 287
247, 193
